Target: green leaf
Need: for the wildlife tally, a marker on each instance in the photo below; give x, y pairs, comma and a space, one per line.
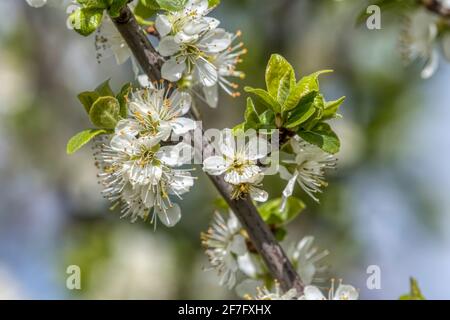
151, 4
122, 98
172, 5
86, 20
87, 99
267, 118
265, 98
251, 116
331, 109
279, 74
213, 3
144, 12
80, 139
305, 86
105, 112
116, 7
415, 292
303, 112
284, 88
322, 136
271, 214
104, 89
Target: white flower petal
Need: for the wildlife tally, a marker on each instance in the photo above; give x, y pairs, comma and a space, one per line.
212, 95
170, 216
182, 37
199, 7
148, 197
258, 195
172, 70
124, 143
346, 292
248, 265
127, 127
144, 81
177, 155
182, 126
238, 245
289, 190
182, 184
313, 293
233, 223
163, 25
227, 144
168, 47
181, 101
256, 148
164, 130
284, 173
431, 66
212, 22
248, 287
215, 41
206, 72
122, 54
215, 165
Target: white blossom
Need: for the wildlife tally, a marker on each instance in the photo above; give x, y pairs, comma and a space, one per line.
136, 174
224, 244
197, 49
109, 42
157, 113
225, 62
188, 22
306, 260
343, 292
276, 294
192, 57
418, 41
239, 164
307, 169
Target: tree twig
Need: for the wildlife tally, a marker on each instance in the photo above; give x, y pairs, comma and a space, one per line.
258, 231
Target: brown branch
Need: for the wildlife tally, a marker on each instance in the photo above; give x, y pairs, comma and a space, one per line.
258, 231
437, 7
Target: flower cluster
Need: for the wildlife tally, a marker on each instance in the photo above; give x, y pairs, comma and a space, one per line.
231, 255
198, 51
137, 170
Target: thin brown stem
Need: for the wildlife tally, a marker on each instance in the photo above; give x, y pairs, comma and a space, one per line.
258, 231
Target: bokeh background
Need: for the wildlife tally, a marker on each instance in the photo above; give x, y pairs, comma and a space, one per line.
387, 203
